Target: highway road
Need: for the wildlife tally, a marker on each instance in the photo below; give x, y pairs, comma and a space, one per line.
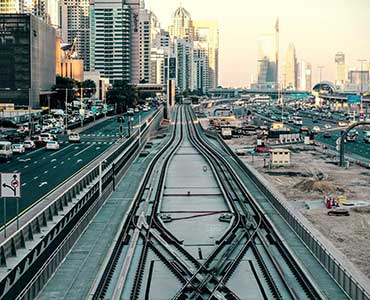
43, 171
358, 149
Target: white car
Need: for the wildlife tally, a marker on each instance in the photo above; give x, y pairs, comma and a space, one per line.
136, 110
74, 137
327, 126
342, 124
29, 144
18, 148
52, 145
316, 129
46, 137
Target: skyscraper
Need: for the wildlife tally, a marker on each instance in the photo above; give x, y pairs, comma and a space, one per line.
304, 80
208, 32
201, 72
184, 66
110, 33
182, 25
291, 68
266, 61
75, 25
149, 34
268, 57
47, 10
134, 6
340, 62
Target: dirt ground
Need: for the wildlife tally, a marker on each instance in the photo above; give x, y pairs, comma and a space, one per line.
305, 183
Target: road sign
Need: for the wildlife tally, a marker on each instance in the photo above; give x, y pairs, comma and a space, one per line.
10, 185
353, 99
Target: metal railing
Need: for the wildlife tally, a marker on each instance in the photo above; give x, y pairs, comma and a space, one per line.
350, 285
54, 229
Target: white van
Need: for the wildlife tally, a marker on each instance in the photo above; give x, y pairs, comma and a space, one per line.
6, 150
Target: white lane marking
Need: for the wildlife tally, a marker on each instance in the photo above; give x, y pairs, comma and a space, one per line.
97, 148
44, 158
78, 153
54, 167
45, 172
24, 184
28, 154
36, 177
24, 160
53, 160
59, 151
62, 163
15, 171
80, 160
26, 166
43, 183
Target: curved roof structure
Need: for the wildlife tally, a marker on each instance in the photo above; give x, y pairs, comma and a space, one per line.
326, 86
181, 13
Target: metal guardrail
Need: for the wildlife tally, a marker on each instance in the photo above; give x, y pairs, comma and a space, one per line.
350, 285
42, 243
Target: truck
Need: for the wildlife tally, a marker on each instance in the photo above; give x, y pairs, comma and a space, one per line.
226, 133
6, 152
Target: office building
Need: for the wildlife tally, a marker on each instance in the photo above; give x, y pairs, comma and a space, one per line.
341, 69
134, 6
184, 65
157, 66
360, 79
208, 32
110, 36
182, 25
75, 27
28, 55
291, 71
201, 80
268, 58
149, 34
47, 10
304, 76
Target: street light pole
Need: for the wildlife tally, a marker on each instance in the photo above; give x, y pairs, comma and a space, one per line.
29, 113
66, 113
81, 108
361, 87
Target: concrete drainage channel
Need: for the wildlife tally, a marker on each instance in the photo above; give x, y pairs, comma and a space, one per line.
30, 256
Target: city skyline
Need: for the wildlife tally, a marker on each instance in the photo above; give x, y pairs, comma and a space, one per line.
304, 26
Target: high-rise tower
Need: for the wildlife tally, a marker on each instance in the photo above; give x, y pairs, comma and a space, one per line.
291, 68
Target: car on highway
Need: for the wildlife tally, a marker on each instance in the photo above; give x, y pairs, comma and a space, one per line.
18, 148
6, 152
74, 137
145, 108
136, 110
52, 145
327, 135
316, 129
29, 144
342, 124
130, 111
304, 129
327, 126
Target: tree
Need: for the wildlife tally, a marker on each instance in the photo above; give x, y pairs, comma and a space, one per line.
123, 95
57, 100
89, 87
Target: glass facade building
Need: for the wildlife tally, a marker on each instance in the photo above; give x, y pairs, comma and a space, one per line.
27, 53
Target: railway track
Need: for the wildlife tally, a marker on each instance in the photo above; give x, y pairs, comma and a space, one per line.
249, 238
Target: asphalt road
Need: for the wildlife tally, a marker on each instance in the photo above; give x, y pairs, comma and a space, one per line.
42, 170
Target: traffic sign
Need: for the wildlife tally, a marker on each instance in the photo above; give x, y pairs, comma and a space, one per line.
10, 185
353, 99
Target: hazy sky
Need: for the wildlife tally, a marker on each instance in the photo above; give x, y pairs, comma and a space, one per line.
318, 29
